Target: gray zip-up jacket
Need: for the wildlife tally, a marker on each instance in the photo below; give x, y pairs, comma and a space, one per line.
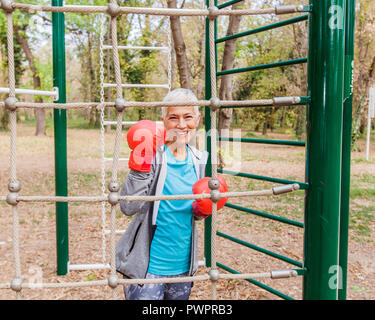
133, 248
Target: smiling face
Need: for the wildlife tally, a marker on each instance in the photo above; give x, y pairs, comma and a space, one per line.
181, 124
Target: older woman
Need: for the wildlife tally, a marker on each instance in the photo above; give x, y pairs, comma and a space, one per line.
161, 240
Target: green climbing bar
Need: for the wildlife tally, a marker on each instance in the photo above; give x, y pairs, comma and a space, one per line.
262, 250
324, 141
59, 115
264, 141
264, 28
302, 185
346, 143
257, 283
264, 66
227, 4
265, 215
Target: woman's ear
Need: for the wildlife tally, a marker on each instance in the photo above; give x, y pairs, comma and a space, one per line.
198, 118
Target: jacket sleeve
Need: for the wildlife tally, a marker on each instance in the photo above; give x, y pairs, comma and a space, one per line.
136, 184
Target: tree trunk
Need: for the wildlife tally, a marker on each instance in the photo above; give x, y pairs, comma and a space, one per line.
266, 123
368, 83
225, 92
180, 48
301, 45
40, 114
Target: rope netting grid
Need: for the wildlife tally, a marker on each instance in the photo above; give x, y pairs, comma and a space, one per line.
113, 198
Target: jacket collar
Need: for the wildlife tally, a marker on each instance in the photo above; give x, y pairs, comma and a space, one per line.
196, 153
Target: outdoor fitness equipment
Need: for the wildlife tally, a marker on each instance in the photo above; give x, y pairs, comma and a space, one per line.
328, 104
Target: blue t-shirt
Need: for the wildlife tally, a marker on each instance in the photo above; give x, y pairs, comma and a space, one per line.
170, 247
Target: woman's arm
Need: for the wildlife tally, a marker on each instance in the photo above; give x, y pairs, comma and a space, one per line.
136, 184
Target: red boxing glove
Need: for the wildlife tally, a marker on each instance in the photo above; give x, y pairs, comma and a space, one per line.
203, 207
143, 139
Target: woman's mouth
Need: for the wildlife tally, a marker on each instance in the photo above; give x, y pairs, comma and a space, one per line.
181, 133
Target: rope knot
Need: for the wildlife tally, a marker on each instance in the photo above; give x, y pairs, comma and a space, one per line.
11, 198
214, 274
214, 184
16, 284
214, 104
14, 186
213, 12
113, 281
7, 5
10, 103
120, 104
215, 195
113, 9
113, 186
113, 198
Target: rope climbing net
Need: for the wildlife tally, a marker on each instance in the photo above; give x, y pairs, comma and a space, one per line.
11, 104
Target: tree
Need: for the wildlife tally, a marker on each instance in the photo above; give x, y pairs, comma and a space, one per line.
179, 48
40, 114
225, 92
364, 65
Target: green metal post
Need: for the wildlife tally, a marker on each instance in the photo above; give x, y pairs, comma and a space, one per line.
346, 143
61, 175
207, 124
324, 128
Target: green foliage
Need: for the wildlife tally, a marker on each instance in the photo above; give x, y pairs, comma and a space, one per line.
264, 48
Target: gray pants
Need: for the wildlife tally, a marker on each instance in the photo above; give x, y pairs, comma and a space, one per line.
159, 291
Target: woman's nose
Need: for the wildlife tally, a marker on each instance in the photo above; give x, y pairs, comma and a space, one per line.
181, 123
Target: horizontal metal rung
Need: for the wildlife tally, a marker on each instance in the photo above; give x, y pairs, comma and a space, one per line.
88, 266
54, 93
136, 48
263, 66
120, 159
257, 283
227, 4
302, 185
116, 231
124, 123
264, 28
265, 215
259, 249
264, 141
136, 85
276, 101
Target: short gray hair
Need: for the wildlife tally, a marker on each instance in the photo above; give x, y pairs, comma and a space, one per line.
180, 94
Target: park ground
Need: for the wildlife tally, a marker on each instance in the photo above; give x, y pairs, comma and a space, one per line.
35, 170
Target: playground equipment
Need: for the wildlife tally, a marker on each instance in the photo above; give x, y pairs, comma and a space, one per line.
328, 103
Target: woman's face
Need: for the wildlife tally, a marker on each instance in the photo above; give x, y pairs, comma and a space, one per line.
180, 123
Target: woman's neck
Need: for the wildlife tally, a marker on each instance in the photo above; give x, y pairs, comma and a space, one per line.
178, 151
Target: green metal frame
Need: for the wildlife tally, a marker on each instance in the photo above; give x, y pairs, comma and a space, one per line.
303, 101
265, 28
346, 143
328, 107
264, 66
61, 172
264, 141
323, 169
